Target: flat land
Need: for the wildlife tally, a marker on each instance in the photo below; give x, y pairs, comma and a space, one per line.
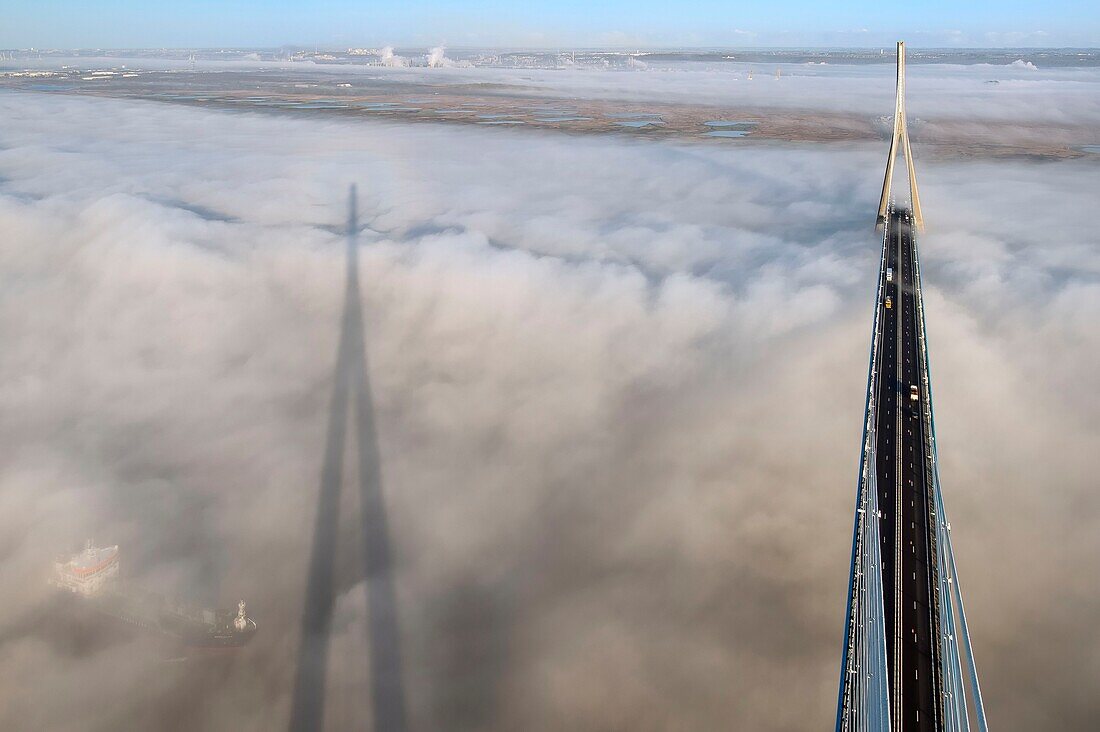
514, 106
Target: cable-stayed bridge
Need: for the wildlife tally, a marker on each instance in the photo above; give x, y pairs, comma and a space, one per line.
908, 663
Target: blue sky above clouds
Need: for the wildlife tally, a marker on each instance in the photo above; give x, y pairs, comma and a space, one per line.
539, 23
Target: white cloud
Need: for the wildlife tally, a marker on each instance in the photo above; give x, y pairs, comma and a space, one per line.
618, 391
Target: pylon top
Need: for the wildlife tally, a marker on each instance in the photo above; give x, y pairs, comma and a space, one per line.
900, 137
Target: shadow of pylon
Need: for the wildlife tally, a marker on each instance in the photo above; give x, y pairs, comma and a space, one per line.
351, 386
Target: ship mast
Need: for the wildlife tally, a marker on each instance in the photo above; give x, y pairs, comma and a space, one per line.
241, 621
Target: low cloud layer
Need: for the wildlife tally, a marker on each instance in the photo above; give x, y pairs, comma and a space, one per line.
617, 387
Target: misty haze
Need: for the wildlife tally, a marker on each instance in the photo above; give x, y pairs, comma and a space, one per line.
524, 384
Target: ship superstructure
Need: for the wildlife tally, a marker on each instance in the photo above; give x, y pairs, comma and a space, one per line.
88, 572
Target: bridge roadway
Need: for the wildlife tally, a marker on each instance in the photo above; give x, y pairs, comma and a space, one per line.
905, 492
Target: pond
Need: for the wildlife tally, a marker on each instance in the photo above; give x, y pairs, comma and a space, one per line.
562, 119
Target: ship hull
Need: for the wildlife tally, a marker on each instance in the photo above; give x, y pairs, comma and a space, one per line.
204, 629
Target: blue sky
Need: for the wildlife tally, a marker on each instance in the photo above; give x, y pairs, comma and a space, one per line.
540, 23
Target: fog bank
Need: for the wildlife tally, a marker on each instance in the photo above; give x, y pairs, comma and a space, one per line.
617, 388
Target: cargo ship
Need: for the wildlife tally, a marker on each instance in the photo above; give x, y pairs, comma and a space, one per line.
93, 577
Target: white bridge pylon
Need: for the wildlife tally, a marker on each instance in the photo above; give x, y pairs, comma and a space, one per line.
901, 134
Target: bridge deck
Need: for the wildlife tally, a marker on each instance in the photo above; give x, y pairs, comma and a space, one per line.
905, 491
